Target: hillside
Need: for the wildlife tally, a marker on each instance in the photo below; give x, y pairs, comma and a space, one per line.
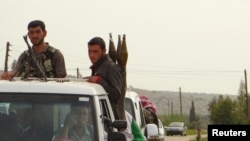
163, 99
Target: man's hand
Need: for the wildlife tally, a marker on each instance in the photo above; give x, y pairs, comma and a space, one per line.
70, 121
6, 75
93, 79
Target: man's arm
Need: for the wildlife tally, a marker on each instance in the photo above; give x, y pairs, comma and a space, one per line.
63, 134
19, 67
59, 64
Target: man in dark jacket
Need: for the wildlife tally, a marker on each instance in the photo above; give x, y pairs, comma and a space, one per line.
105, 72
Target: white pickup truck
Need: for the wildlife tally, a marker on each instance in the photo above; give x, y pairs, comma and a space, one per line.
51, 102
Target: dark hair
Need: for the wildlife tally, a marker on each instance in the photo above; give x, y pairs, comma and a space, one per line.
36, 23
97, 41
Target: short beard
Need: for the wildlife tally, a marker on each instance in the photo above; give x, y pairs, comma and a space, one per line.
39, 43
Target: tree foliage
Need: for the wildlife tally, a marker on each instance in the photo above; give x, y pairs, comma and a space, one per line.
224, 110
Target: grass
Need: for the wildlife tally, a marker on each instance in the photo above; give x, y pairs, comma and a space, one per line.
202, 139
194, 132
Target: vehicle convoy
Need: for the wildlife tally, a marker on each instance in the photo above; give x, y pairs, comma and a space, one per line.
51, 101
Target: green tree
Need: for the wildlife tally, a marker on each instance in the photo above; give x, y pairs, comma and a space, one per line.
212, 108
222, 111
192, 113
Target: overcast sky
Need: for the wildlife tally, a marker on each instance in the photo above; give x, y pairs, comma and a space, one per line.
200, 46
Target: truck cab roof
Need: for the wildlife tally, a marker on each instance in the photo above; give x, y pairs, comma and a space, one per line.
68, 86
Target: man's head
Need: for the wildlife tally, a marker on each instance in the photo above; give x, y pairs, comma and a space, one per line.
147, 104
22, 113
96, 49
37, 32
81, 112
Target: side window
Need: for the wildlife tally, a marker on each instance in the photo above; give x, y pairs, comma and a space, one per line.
104, 112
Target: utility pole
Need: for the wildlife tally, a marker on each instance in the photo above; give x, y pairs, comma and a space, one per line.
77, 72
180, 102
246, 93
6, 57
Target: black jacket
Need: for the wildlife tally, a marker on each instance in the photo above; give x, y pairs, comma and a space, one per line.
111, 79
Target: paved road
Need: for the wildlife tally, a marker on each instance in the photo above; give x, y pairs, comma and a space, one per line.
181, 138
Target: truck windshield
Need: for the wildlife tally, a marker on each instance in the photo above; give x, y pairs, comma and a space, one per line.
42, 117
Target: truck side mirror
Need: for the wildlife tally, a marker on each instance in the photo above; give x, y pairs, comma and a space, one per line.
151, 131
119, 124
116, 136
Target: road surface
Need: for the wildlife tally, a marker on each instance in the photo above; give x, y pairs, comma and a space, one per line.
182, 138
